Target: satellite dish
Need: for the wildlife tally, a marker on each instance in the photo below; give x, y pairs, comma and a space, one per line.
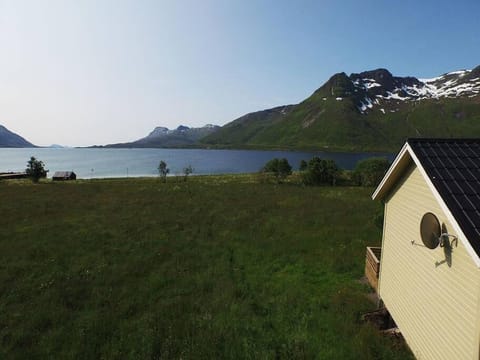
430, 230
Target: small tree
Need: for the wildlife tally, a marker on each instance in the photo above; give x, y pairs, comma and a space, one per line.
163, 170
280, 168
369, 172
187, 171
35, 169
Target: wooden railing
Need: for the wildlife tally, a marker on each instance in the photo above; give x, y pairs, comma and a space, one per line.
372, 265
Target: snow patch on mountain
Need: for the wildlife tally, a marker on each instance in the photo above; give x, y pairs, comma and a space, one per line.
380, 86
367, 103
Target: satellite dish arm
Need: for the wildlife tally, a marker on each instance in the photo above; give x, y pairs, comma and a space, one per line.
444, 237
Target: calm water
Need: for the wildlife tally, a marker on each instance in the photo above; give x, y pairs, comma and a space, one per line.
103, 163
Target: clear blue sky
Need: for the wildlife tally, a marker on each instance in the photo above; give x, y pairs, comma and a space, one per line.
81, 72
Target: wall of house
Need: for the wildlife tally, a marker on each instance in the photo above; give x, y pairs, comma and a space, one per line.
434, 301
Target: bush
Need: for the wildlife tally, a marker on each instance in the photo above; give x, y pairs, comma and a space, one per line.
369, 172
378, 218
303, 165
320, 171
35, 169
280, 168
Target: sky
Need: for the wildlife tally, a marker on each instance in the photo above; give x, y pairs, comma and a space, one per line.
85, 72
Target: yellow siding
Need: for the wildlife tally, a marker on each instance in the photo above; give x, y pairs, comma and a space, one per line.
435, 307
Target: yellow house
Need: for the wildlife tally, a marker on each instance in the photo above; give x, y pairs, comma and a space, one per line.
430, 279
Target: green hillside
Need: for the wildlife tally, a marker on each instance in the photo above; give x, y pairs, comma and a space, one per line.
333, 124
242, 130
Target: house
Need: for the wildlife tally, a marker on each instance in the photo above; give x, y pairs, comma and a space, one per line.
64, 175
430, 257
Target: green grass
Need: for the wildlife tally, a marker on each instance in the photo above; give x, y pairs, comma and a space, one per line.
217, 267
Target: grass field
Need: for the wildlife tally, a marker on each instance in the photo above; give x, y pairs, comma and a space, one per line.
212, 268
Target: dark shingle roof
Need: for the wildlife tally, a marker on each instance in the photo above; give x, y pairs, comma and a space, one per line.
453, 166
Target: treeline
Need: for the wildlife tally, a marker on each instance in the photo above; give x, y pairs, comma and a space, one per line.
317, 171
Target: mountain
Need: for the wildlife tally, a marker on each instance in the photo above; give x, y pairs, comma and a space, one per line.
162, 137
368, 111
10, 139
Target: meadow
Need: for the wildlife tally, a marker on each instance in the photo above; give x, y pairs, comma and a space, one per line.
218, 267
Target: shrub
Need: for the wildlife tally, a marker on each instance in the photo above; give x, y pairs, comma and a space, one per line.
303, 165
280, 168
369, 172
378, 218
320, 171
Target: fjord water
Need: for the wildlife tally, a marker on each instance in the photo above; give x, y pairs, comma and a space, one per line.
108, 163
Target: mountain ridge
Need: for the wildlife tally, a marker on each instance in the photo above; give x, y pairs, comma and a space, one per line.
12, 140
162, 137
368, 111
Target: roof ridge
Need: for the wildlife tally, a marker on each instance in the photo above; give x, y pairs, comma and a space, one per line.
449, 140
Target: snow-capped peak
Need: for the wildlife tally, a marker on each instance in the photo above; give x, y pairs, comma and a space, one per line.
377, 86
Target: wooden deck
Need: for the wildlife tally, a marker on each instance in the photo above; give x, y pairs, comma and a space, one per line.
372, 265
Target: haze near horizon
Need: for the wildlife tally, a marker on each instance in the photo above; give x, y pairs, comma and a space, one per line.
99, 72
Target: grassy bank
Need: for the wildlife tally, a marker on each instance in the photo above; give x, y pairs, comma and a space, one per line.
217, 267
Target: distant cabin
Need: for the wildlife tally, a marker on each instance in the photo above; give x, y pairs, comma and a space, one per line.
429, 276
13, 175
64, 175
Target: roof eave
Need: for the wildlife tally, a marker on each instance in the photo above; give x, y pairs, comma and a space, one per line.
398, 165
